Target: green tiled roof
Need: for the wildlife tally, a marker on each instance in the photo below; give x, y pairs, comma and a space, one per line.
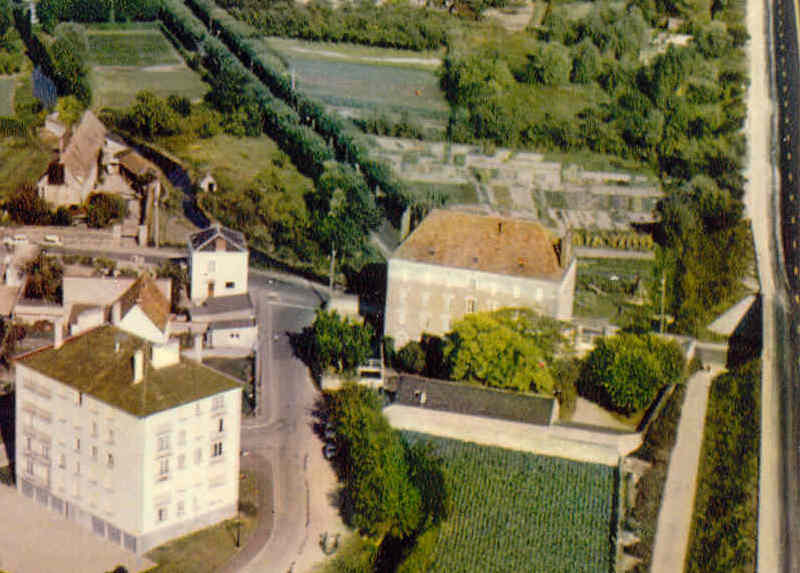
90, 364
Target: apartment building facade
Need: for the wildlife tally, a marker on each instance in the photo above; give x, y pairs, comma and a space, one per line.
126, 437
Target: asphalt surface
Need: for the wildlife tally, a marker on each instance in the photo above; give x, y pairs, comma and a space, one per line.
786, 64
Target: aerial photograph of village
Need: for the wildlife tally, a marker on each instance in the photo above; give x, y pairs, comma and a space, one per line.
400, 286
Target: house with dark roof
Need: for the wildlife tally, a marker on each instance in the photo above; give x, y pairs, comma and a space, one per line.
218, 259
72, 176
456, 263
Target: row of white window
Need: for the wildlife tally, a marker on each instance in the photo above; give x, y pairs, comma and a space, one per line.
164, 462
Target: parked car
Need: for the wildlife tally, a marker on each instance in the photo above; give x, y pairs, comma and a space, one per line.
18, 239
330, 435
329, 451
52, 240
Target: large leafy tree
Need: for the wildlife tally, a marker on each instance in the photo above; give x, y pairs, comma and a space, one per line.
26, 207
390, 488
45, 274
625, 371
339, 344
504, 349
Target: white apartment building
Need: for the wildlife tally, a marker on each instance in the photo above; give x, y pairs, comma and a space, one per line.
218, 260
127, 437
457, 263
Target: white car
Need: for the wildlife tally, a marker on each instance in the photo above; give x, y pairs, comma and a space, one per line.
52, 240
329, 451
16, 240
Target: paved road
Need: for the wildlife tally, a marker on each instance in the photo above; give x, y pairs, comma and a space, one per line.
677, 506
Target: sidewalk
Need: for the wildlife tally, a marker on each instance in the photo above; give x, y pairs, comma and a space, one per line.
677, 504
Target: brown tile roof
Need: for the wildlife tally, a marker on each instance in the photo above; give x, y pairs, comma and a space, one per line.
144, 293
483, 243
91, 363
84, 146
135, 163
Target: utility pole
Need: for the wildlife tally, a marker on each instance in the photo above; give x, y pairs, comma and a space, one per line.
663, 289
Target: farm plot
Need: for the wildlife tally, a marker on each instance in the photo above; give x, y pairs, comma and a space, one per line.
362, 81
147, 47
6, 96
513, 511
130, 60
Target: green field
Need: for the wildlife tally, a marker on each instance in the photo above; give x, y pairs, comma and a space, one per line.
6, 96
599, 295
117, 87
514, 512
131, 48
365, 79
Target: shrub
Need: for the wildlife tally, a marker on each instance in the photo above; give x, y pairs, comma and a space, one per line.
103, 209
411, 358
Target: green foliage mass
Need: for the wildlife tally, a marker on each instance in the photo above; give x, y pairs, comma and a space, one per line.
45, 275
339, 344
26, 207
390, 488
51, 12
627, 370
509, 348
725, 525
102, 209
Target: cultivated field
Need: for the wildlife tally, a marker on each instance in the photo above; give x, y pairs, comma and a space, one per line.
129, 60
513, 511
143, 47
360, 81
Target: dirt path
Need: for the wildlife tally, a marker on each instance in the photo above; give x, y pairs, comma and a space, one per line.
677, 505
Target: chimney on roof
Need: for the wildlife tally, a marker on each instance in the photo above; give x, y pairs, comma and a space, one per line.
58, 331
138, 366
116, 313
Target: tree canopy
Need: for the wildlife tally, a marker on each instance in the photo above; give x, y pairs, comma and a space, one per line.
339, 344
510, 348
45, 274
627, 370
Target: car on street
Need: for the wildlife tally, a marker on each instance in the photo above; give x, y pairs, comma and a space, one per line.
54, 240
329, 451
18, 239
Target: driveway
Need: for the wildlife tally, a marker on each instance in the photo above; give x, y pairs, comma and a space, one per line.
36, 540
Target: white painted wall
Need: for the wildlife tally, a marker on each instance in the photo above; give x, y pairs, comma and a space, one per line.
244, 337
219, 267
137, 323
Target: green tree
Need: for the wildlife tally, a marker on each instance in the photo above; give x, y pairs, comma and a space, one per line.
150, 115
179, 278
585, 62
70, 110
26, 207
548, 65
6, 17
45, 275
626, 371
411, 357
497, 350
102, 209
339, 344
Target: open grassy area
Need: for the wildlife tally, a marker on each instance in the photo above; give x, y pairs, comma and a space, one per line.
235, 161
7, 96
424, 60
21, 161
604, 287
456, 193
514, 511
139, 47
209, 549
117, 87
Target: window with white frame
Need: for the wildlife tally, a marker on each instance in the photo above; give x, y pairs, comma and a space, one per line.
111, 435
45, 451
198, 456
28, 443
110, 460
181, 509
212, 266
216, 450
218, 402
29, 466
77, 444
94, 453
62, 461
94, 429
470, 305
220, 425
163, 442
182, 437
163, 469
181, 461
161, 514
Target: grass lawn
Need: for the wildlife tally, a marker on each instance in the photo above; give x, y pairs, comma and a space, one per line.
598, 294
21, 161
235, 161
142, 47
355, 53
117, 87
209, 549
514, 511
7, 85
